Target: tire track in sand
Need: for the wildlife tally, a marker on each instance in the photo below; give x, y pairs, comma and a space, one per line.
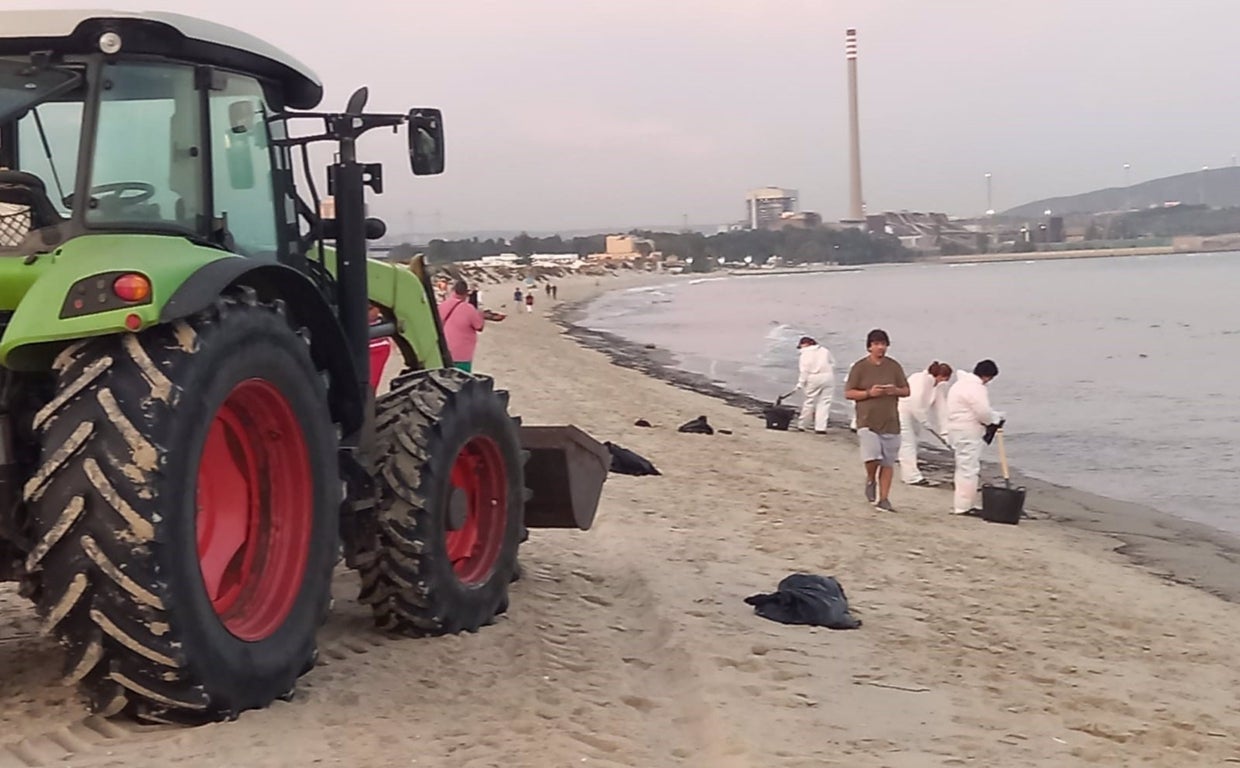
617, 688
44, 722
57, 729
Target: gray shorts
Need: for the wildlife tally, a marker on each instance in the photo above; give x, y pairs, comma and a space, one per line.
880, 448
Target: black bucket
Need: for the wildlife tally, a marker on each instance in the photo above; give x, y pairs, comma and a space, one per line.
1001, 504
779, 416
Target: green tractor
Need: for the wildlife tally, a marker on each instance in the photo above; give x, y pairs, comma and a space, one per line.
190, 440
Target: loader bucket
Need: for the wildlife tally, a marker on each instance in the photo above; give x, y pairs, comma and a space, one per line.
565, 474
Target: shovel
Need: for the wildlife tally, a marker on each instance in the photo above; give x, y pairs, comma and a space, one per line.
1003, 504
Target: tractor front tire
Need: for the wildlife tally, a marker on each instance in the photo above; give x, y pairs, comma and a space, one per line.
450, 501
185, 514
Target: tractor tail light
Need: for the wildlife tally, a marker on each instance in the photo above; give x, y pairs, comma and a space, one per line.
132, 287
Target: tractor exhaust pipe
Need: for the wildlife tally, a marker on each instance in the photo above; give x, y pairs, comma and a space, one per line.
346, 185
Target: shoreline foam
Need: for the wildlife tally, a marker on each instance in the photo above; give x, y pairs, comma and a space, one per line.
1171, 547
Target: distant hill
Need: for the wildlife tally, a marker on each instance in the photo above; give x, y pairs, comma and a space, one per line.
1217, 187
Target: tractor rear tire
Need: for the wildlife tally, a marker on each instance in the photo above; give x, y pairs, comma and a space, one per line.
450, 500
185, 514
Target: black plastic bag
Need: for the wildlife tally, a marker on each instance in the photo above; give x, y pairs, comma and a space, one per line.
697, 426
626, 462
806, 598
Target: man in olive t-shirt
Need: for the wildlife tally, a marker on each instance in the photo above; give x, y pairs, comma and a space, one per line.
876, 383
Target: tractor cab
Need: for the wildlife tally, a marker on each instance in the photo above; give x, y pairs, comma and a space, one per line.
155, 123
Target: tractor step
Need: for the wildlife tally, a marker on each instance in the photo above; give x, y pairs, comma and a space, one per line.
565, 474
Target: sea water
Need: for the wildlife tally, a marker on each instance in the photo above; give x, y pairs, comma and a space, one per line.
1118, 375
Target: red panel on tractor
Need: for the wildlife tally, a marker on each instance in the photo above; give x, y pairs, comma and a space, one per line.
380, 351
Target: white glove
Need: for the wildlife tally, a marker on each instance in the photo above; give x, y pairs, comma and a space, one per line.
999, 416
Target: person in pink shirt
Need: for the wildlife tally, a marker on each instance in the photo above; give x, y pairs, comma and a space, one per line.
462, 322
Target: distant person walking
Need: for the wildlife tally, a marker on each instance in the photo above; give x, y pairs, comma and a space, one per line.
876, 383
529, 302
921, 410
462, 322
968, 415
516, 294
555, 291
817, 382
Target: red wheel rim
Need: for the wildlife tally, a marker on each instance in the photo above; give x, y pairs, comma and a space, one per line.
479, 482
255, 510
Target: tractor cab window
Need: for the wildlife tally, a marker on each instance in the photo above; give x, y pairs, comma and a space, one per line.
41, 119
241, 167
60, 124
148, 154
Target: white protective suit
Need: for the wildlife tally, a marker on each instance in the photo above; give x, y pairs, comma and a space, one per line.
921, 410
817, 381
968, 414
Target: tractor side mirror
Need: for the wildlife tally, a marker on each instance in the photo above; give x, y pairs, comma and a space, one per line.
426, 155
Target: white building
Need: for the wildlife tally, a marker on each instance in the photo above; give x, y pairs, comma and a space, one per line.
555, 258
767, 205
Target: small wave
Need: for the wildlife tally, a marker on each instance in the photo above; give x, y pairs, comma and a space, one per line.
780, 331
659, 288
699, 280
779, 350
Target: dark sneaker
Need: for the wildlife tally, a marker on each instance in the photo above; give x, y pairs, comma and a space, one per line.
885, 505
923, 483
974, 512
871, 492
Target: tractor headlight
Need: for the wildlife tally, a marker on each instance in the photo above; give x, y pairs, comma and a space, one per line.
110, 43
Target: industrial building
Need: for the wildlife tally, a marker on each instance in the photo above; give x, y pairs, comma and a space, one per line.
766, 206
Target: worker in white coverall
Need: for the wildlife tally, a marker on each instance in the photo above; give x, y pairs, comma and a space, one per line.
817, 382
921, 412
968, 415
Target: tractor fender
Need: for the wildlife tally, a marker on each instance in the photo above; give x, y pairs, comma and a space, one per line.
65, 296
304, 303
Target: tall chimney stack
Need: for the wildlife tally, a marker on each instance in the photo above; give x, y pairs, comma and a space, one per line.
856, 207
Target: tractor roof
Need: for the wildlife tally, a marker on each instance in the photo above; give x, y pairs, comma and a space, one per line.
164, 34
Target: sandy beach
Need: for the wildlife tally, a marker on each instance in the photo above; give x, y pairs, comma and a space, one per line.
630, 645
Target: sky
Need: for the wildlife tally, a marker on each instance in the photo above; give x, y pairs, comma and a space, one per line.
602, 114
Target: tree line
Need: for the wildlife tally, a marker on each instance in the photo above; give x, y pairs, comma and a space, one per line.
794, 246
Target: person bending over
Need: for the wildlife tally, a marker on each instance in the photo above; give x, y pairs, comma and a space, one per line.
917, 411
